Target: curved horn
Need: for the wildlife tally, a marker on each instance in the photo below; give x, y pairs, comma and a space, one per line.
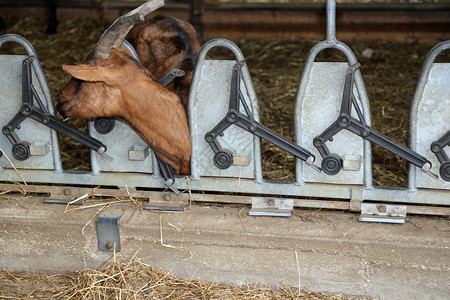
114, 35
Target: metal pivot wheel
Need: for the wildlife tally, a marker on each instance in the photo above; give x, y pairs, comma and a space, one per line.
223, 159
104, 125
444, 171
332, 164
21, 150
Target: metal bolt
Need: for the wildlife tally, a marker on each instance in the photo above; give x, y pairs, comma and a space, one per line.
365, 133
382, 208
435, 147
109, 244
209, 137
67, 192
344, 120
6, 130
167, 197
26, 110
317, 142
271, 202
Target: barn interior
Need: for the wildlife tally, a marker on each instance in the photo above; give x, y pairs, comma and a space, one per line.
390, 39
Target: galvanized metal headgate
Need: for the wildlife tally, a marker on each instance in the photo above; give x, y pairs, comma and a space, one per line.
226, 149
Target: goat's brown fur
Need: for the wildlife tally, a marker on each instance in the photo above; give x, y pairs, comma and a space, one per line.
165, 43
120, 87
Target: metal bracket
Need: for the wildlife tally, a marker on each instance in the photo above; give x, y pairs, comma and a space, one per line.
108, 231
356, 200
65, 196
169, 202
383, 213
271, 207
138, 152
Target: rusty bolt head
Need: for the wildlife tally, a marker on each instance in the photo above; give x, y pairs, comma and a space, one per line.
271, 202
109, 244
67, 191
167, 197
382, 208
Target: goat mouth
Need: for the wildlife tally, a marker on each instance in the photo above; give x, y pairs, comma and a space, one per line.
65, 113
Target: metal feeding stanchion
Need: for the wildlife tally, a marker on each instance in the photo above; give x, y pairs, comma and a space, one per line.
310, 84
429, 121
332, 128
42, 87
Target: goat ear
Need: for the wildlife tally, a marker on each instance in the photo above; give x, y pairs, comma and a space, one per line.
91, 73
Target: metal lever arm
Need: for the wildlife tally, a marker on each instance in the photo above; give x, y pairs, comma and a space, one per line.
331, 162
437, 147
39, 114
223, 157
263, 132
171, 76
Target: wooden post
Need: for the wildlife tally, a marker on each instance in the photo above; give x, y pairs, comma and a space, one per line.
196, 15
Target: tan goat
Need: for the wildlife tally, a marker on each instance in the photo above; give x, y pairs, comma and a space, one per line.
111, 83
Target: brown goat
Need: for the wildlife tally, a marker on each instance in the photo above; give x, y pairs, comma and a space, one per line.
112, 83
166, 43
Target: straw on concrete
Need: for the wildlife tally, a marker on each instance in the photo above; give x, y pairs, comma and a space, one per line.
133, 279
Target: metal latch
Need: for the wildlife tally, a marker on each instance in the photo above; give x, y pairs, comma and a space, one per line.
32, 107
271, 207
223, 158
332, 163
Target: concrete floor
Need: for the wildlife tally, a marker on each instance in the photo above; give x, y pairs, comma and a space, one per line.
323, 251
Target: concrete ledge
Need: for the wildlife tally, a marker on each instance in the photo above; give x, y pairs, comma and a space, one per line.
336, 253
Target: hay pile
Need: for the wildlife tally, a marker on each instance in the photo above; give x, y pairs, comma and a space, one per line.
134, 280
390, 75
